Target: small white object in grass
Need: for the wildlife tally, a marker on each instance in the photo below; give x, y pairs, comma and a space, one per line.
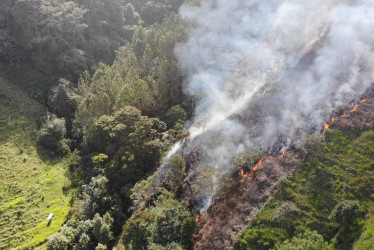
50, 216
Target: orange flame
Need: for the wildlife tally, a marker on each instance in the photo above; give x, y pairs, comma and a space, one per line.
333, 119
344, 114
245, 173
253, 170
285, 153
354, 109
258, 164
364, 100
198, 218
326, 126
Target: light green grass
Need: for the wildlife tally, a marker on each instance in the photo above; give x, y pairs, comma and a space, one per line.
31, 185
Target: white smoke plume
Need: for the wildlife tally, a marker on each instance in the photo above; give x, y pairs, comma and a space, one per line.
268, 73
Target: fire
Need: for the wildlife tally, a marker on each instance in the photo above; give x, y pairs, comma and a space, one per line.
364, 100
258, 164
198, 218
333, 119
326, 126
285, 153
344, 114
354, 109
244, 173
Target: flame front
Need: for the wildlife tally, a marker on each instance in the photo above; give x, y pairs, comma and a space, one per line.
354, 109
326, 126
258, 164
244, 173
198, 218
364, 100
285, 153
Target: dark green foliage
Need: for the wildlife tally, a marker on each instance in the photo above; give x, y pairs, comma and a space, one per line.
156, 10
84, 234
67, 37
135, 232
131, 141
346, 212
167, 222
52, 136
176, 173
115, 129
175, 114
310, 240
63, 100
58, 242
145, 78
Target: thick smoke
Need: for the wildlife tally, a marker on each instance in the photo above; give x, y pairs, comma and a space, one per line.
268, 73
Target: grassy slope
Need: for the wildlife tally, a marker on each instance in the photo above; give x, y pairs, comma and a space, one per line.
340, 167
31, 187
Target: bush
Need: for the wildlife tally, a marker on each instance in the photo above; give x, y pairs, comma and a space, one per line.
57, 242
176, 174
63, 100
175, 114
346, 212
310, 240
52, 136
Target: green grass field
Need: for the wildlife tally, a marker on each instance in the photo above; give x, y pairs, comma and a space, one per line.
31, 185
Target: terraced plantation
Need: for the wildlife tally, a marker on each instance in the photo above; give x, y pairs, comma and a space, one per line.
32, 186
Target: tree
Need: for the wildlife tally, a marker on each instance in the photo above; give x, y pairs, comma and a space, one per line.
102, 228
136, 230
63, 100
52, 136
175, 114
176, 173
57, 242
346, 212
172, 221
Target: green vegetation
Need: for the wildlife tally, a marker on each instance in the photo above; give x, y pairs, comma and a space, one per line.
366, 240
306, 241
167, 223
330, 194
32, 186
99, 78
127, 117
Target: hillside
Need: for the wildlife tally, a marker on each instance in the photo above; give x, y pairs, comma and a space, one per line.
31, 185
338, 171
186, 124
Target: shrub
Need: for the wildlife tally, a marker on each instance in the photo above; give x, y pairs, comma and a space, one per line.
310, 240
57, 242
346, 212
52, 136
175, 114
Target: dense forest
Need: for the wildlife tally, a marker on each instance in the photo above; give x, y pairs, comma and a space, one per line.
93, 97
118, 105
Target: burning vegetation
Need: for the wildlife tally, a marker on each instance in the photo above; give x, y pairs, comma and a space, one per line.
355, 108
245, 173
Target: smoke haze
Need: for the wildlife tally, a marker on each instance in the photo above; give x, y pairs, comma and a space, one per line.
268, 73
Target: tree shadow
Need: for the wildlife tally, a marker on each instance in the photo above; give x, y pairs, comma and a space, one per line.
46, 155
